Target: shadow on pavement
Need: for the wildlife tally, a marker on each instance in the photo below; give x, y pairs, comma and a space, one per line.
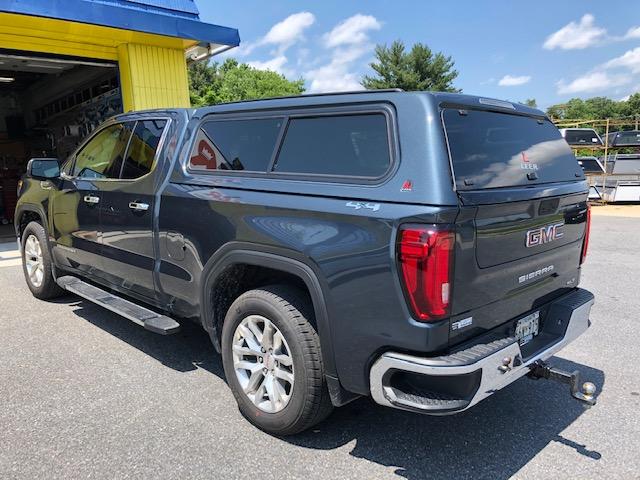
494, 439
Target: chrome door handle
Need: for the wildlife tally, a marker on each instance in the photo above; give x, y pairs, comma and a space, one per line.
91, 199
139, 207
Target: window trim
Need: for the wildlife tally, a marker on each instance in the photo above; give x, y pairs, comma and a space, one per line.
110, 123
287, 114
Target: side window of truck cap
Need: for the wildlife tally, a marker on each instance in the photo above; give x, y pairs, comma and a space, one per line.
241, 144
345, 145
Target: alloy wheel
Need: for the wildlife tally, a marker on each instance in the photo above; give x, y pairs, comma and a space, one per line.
263, 363
34, 261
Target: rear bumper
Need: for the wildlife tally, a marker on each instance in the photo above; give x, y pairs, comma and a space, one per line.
453, 383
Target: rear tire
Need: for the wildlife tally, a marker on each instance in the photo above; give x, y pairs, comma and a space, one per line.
272, 360
36, 263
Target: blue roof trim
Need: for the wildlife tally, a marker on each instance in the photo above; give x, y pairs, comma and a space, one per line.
166, 7
126, 18
185, 6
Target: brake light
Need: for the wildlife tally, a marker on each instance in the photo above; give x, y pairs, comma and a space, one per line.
425, 256
587, 233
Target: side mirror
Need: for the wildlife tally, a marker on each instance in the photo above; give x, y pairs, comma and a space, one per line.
43, 168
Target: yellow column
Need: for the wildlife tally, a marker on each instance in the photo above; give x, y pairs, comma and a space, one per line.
152, 77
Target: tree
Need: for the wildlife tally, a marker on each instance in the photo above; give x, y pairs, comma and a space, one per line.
531, 102
418, 69
233, 81
595, 108
202, 78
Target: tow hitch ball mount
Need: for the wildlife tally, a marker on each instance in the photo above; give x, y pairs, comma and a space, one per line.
584, 393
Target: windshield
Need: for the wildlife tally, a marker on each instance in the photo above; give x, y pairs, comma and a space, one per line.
492, 150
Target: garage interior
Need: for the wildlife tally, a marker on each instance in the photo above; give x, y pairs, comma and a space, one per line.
48, 104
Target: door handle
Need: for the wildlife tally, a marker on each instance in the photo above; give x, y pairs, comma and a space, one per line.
139, 207
91, 199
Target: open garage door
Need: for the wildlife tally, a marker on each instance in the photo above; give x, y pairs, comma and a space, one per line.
48, 104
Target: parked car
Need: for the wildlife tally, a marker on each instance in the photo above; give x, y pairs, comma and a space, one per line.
581, 137
421, 248
627, 138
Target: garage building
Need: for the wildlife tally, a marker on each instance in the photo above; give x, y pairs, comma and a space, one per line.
67, 65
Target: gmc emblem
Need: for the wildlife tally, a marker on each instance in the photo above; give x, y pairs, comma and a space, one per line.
542, 235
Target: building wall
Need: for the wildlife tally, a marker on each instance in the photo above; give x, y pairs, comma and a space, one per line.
152, 67
152, 77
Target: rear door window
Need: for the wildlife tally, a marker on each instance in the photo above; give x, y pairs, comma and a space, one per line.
142, 148
492, 150
245, 145
340, 145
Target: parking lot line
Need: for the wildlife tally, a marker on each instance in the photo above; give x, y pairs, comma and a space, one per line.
9, 255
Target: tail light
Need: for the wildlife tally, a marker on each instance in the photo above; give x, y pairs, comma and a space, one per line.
587, 232
425, 256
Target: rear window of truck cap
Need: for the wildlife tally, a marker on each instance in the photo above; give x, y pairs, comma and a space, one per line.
493, 150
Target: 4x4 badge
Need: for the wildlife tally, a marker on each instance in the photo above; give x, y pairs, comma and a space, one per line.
358, 205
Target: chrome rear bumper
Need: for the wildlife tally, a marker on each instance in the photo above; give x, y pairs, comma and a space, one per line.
480, 370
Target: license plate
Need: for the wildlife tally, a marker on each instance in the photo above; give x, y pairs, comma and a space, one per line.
527, 328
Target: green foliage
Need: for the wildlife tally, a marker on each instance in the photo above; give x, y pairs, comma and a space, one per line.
418, 69
531, 102
233, 81
596, 108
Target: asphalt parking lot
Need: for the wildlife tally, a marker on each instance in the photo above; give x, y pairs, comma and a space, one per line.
87, 394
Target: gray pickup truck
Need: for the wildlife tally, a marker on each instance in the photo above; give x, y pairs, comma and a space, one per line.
420, 248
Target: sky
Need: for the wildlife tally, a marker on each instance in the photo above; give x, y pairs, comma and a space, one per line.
548, 50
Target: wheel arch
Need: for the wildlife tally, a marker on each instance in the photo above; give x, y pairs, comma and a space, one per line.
275, 259
23, 215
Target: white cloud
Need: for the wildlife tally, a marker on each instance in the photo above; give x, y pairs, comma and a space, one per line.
577, 35
337, 75
512, 81
349, 42
333, 77
352, 31
288, 31
592, 82
275, 64
633, 32
282, 35
630, 60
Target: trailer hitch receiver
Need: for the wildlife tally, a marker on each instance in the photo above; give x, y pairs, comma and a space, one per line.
584, 393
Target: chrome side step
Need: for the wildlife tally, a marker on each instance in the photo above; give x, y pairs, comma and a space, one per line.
150, 320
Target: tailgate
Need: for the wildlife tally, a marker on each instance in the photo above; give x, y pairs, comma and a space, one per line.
522, 221
513, 258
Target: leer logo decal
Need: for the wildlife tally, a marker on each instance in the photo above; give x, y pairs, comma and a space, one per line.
542, 235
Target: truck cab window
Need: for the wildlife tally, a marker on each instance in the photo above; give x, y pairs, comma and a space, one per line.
102, 156
142, 148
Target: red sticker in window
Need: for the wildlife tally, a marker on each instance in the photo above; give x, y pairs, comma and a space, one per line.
205, 157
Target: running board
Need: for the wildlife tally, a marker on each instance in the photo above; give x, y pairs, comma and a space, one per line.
149, 319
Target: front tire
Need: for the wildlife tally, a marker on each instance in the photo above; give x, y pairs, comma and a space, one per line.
272, 360
36, 263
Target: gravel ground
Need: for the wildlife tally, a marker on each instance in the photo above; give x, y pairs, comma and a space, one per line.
86, 394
